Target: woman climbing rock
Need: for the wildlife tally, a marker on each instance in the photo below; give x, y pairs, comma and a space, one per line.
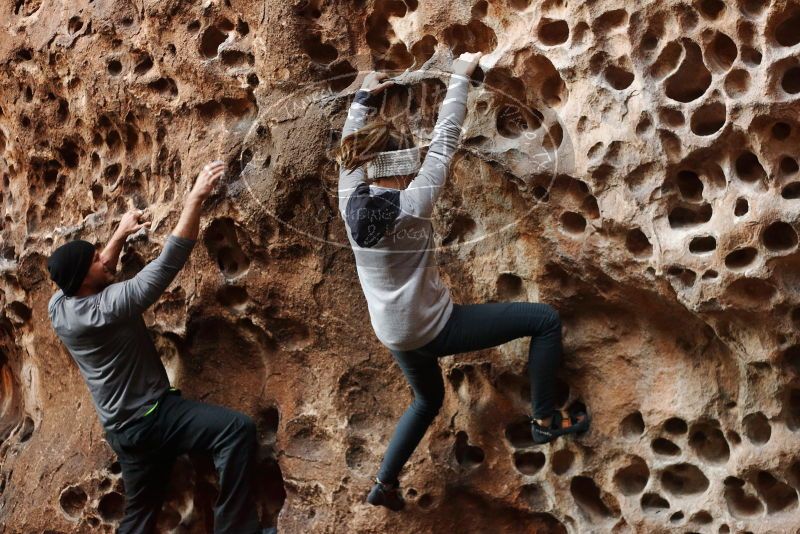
386, 199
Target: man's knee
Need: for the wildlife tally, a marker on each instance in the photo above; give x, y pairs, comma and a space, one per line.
245, 428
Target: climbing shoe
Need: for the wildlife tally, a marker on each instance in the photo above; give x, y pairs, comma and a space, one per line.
386, 495
270, 530
560, 425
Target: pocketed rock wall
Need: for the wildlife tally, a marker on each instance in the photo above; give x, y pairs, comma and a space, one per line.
634, 164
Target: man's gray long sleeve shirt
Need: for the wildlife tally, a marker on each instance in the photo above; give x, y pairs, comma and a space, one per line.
107, 337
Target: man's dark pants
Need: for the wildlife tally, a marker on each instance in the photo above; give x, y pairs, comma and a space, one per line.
147, 449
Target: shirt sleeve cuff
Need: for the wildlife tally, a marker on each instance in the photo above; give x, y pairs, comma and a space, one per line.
365, 98
181, 242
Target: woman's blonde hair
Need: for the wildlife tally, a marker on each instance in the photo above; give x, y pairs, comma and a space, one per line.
363, 145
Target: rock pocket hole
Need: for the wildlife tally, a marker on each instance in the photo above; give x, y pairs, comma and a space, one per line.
689, 185
632, 425
791, 408
210, 41
740, 258
787, 32
741, 207
114, 67
509, 286
510, 122
235, 58
474, 37
709, 443
791, 191
790, 82
232, 296
342, 74
632, 479
777, 495
165, 87
688, 216
553, 32
423, 49
721, 53
111, 506
573, 223
587, 497
143, 66
737, 83
519, 434
73, 500
788, 166
618, 77
222, 243
267, 425
702, 245
318, 51
684, 479
610, 21
692, 78
740, 503
561, 461
426, 502
711, 9
676, 425
637, 243
791, 356
781, 131
708, 119
701, 518
757, 428
534, 496
529, 463
74, 25
779, 236
467, 455
665, 447
653, 503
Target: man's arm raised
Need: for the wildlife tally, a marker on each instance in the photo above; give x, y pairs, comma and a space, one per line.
189, 224
131, 223
127, 299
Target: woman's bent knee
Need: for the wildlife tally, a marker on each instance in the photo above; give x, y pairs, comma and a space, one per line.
552, 319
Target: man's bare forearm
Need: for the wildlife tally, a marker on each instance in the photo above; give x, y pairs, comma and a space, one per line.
189, 223
110, 254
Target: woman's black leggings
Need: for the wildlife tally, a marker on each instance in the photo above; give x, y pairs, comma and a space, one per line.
470, 328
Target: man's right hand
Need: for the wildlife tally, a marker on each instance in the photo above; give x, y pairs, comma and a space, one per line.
207, 180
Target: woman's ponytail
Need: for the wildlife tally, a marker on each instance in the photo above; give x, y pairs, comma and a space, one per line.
363, 145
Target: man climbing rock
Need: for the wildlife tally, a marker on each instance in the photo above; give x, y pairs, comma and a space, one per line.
147, 422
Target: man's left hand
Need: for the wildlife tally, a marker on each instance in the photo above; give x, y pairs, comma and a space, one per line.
132, 222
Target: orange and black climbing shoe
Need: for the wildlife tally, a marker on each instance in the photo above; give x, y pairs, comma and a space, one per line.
576, 422
387, 495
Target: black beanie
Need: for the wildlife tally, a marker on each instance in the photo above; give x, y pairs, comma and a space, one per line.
69, 264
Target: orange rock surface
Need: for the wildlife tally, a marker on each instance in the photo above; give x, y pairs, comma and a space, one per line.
633, 164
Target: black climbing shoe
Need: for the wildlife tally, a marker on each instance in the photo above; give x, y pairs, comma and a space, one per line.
577, 423
270, 530
386, 495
